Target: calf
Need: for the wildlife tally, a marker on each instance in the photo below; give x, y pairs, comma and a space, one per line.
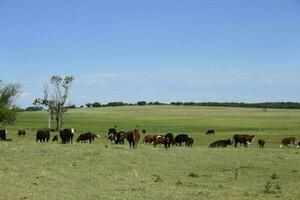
286, 141
220, 143
148, 139
42, 136
243, 139
55, 138
261, 143
210, 132
3, 133
22, 132
190, 142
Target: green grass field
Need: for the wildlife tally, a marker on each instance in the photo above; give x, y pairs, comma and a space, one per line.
30, 170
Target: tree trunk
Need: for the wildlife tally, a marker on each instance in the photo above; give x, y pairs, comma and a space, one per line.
49, 119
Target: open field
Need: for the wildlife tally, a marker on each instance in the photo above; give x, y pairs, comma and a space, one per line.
30, 170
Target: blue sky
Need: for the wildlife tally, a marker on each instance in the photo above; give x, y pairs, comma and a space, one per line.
154, 50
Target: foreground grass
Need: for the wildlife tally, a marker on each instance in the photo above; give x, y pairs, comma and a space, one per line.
30, 170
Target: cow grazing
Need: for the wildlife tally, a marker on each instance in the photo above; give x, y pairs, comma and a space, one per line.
67, 135
210, 132
116, 137
190, 142
171, 136
55, 138
161, 139
133, 138
22, 132
87, 137
220, 143
3, 134
243, 139
261, 143
148, 139
119, 137
179, 139
111, 134
42, 136
286, 141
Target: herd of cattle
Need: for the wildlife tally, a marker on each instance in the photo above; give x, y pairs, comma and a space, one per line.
133, 137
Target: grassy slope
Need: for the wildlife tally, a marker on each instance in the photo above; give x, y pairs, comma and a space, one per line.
102, 171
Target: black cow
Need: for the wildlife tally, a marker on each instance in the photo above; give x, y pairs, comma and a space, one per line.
220, 143
111, 134
261, 143
42, 136
298, 145
190, 142
171, 138
67, 135
210, 132
3, 133
179, 139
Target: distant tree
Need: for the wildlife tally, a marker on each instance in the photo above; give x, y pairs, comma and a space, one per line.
55, 105
71, 106
8, 94
141, 103
33, 108
88, 105
96, 105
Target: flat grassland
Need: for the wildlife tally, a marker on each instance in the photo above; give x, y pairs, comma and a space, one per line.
30, 170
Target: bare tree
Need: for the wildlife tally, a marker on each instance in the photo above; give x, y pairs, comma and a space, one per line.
55, 105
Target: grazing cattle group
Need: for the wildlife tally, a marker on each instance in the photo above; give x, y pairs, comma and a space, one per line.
133, 137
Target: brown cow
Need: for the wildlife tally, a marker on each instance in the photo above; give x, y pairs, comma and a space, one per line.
286, 141
148, 139
55, 138
161, 139
87, 137
243, 139
133, 138
22, 132
261, 143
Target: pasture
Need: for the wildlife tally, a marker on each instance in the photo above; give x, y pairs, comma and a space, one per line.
30, 170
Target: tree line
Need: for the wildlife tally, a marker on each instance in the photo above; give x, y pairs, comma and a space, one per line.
265, 105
